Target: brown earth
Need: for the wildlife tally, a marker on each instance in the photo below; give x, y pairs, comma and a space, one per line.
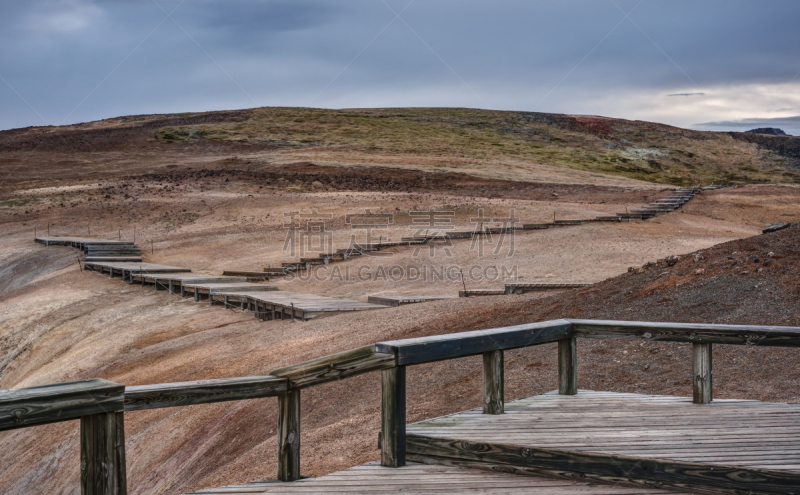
519, 146
64, 324
214, 201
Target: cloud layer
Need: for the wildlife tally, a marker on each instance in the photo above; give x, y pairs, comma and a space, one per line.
675, 62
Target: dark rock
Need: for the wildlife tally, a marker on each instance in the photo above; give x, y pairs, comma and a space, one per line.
772, 131
775, 227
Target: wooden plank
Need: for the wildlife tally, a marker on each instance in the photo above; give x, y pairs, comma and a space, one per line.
702, 392
654, 470
567, 367
335, 367
421, 479
289, 436
30, 406
493, 382
155, 396
688, 332
393, 417
394, 301
746, 440
439, 347
102, 455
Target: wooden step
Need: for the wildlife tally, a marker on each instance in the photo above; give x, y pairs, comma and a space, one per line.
726, 446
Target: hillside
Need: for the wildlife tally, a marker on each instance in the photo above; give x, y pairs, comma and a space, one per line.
520, 146
213, 192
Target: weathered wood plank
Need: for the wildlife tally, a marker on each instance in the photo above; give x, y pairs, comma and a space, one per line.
688, 332
493, 382
102, 455
656, 470
702, 391
393, 417
30, 406
335, 367
567, 367
289, 436
439, 347
203, 391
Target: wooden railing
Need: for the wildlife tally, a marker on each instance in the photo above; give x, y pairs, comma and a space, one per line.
100, 404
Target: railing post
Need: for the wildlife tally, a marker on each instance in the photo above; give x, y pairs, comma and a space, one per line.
103, 454
567, 367
702, 392
393, 417
493, 393
289, 436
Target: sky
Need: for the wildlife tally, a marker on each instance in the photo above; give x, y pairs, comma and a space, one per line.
711, 65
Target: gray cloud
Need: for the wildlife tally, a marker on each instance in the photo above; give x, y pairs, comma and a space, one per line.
512, 54
687, 94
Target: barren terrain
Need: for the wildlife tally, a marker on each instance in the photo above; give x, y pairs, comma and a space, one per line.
218, 208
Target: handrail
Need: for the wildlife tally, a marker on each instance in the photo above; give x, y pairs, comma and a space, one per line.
688, 332
100, 403
31, 406
454, 345
141, 397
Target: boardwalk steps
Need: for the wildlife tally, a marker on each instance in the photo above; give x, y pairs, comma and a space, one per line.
282, 305
658, 440
665, 205
97, 249
481, 292
394, 301
520, 288
232, 291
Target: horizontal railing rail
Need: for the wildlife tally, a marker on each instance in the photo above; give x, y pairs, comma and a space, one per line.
100, 404
141, 397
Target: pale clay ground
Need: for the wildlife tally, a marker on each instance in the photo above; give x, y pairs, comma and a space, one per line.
67, 325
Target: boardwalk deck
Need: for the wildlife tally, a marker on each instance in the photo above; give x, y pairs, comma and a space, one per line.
519, 288
204, 290
279, 305
76, 241
429, 479
128, 269
402, 300
727, 444
481, 292
174, 281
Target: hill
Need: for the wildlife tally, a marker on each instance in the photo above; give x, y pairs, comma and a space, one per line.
520, 146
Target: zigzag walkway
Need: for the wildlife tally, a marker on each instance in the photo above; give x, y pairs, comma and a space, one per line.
241, 290
669, 203
234, 292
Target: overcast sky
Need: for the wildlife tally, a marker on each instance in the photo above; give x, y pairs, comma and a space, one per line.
725, 65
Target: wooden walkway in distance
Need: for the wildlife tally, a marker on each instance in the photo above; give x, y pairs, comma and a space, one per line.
276, 305
648, 437
431, 479
402, 300
174, 281
126, 269
77, 241
522, 288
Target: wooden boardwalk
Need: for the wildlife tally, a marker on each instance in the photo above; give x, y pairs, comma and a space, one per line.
278, 305
204, 290
431, 479
77, 242
522, 288
402, 300
174, 281
649, 437
126, 269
